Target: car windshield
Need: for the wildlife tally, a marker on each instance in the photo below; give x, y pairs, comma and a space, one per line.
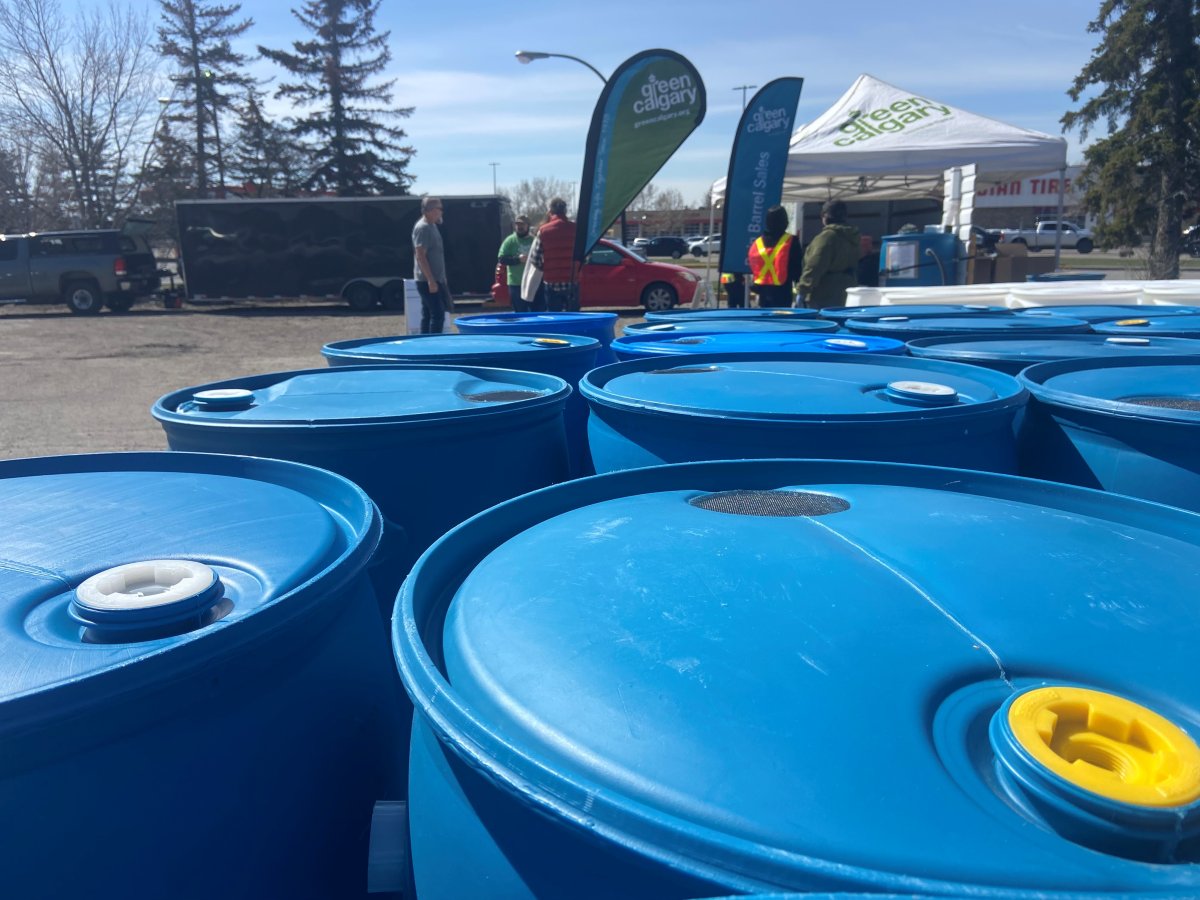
627, 251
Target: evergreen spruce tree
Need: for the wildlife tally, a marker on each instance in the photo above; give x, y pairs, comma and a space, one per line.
1143, 84
196, 37
264, 156
354, 149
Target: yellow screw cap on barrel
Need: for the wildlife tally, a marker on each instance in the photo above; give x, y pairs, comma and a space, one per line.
1108, 745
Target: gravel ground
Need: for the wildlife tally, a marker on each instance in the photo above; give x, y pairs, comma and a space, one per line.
84, 384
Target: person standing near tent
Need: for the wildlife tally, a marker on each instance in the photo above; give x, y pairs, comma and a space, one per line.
831, 261
553, 253
429, 267
514, 252
735, 288
775, 261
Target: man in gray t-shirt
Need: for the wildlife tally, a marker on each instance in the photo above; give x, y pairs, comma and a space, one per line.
429, 267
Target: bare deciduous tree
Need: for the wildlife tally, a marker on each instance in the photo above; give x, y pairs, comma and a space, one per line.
531, 196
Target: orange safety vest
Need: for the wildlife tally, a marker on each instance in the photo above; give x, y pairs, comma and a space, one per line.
728, 278
770, 266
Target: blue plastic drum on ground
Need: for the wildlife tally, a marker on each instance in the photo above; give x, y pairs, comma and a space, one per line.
841, 314
598, 325
816, 405
1102, 313
733, 326
1129, 426
1151, 322
905, 328
704, 315
650, 344
566, 356
1012, 353
432, 445
740, 677
197, 699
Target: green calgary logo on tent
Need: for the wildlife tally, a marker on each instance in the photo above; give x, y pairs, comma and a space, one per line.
897, 116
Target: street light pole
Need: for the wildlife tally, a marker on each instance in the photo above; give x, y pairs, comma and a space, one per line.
494, 165
743, 88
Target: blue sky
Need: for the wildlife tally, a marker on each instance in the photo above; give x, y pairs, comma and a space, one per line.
476, 105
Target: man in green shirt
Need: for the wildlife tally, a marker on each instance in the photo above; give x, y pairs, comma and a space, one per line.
514, 251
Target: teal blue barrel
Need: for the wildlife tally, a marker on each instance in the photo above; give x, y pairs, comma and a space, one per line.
705, 315
598, 325
841, 314
566, 356
432, 445
197, 699
972, 685
820, 405
1130, 426
1100, 313
906, 328
1013, 352
734, 326
1152, 322
652, 344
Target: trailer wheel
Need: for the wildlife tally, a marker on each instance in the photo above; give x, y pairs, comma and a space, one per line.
392, 296
361, 296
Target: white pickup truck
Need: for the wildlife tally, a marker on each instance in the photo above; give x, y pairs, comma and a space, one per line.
1043, 236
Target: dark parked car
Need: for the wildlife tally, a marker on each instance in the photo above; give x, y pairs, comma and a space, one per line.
673, 247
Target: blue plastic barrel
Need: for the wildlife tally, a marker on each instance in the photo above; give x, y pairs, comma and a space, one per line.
650, 344
432, 445
197, 699
1098, 313
1130, 426
906, 328
817, 405
870, 645
598, 325
840, 314
924, 258
733, 326
1153, 322
567, 356
1013, 352
704, 315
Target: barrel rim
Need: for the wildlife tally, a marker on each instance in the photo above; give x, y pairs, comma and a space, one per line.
920, 347
579, 345
1034, 377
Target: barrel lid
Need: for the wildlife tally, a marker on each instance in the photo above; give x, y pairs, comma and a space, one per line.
756, 342
119, 570
930, 326
1107, 313
730, 326
825, 637
801, 386
1019, 347
1149, 321
349, 395
912, 310
458, 347
1165, 388
531, 319
694, 315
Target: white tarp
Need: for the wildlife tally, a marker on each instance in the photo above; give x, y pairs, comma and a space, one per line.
880, 142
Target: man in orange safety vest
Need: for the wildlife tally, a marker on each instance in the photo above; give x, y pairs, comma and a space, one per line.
776, 261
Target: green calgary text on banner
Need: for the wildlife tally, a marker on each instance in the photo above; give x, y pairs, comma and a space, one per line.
649, 106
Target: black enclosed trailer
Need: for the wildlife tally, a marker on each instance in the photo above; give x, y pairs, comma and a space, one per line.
356, 248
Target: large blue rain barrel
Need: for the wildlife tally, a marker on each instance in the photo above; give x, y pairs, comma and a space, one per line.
841, 314
1013, 352
1130, 426
649, 344
733, 326
911, 260
567, 356
598, 325
1152, 322
799, 675
432, 445
703, 315
1107, 313
197, 698
815, 405
906, 329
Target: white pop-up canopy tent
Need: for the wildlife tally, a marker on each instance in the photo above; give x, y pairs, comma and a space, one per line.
880, 142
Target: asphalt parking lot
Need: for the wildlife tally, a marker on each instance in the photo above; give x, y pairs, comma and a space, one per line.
85, 384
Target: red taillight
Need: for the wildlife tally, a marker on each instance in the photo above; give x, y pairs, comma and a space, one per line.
119, 266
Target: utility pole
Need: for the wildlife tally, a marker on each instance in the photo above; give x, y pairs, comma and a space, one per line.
494, 165
743, 88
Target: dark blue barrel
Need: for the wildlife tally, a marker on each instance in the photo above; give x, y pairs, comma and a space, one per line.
1130, 426
704, 315
733, 326
841, 314
432, 445
819, 405
907, 329
1107, 313
1013, 352
598, 325
197, 699
1150, 322
567, 356
641, 346
871, 645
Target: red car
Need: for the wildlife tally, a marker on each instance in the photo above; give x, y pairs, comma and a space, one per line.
617, 276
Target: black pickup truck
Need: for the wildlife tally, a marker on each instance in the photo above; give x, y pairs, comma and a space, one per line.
86, 270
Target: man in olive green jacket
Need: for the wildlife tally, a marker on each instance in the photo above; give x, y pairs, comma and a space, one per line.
830, 261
